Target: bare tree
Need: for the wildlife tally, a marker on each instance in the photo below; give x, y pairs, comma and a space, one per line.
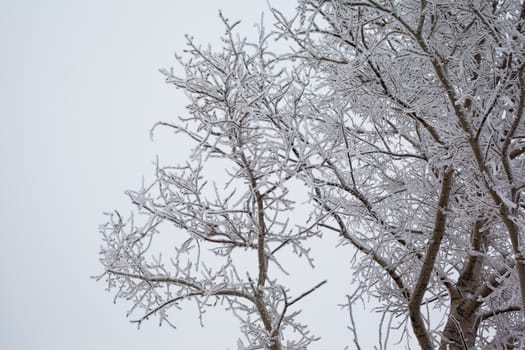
403, 120
421, 133
243, 111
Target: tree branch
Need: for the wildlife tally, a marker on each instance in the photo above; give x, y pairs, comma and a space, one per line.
419, 290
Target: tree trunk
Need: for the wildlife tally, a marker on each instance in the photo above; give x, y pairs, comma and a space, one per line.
460, 331
463, 321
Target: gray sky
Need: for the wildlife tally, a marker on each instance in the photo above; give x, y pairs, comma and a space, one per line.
80, 90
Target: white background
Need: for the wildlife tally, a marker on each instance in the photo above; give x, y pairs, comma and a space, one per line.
80, 90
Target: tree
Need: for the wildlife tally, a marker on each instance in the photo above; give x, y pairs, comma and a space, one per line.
402, 120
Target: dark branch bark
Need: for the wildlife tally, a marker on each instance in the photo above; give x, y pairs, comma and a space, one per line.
418, 292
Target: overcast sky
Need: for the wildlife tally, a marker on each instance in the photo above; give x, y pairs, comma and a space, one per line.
80, 90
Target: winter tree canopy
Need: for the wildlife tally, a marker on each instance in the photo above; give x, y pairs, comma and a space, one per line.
401, 122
